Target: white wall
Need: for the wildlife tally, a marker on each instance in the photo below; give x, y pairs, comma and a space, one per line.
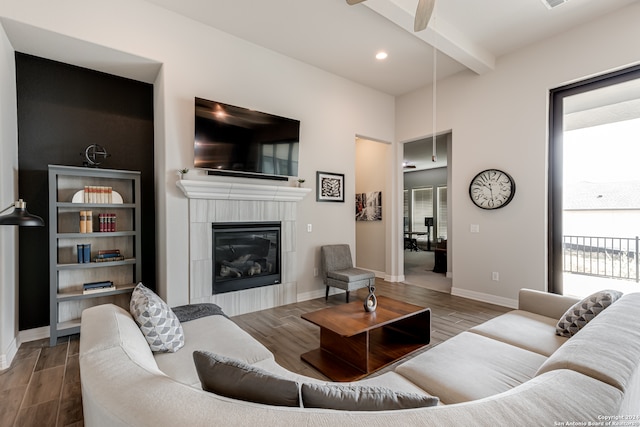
500, 120
8, 193
201, 61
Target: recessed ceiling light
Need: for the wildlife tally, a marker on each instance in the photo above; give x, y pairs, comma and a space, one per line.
381, 55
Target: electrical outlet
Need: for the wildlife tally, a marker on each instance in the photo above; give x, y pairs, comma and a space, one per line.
495, 276
309, 228
474, 228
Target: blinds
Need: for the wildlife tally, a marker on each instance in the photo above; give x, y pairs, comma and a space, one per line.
442, 213
422, 201
405, 210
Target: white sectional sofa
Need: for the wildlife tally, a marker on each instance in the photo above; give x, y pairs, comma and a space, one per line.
511, 370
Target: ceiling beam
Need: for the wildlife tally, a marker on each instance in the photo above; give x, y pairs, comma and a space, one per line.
444, 37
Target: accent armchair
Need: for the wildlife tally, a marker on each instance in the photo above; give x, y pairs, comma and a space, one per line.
338, 270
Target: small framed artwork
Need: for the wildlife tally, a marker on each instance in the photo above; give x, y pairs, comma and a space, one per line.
330, 187
369, 206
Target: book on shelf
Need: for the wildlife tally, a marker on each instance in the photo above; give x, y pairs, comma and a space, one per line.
108, 255
86, 221
98, 194
109, 251
99, 284
94, 287
107, 222
98, 290
84, 252
109, 259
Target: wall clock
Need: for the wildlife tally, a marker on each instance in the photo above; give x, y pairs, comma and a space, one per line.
492, 189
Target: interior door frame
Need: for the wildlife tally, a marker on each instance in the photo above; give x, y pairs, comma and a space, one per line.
555, 175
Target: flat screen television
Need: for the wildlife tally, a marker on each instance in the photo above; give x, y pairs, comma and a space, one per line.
242, 142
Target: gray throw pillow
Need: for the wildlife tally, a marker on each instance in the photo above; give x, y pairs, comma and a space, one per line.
576, 317
158, 323
238, 380
361, 398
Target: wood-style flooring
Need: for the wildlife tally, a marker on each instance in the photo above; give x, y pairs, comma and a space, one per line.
42, 386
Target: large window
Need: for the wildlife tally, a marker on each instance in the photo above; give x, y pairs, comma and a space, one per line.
422, 203
593, 151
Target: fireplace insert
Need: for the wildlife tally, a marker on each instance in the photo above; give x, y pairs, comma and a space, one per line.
245, 255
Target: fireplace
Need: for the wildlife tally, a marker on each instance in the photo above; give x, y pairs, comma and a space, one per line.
245, 255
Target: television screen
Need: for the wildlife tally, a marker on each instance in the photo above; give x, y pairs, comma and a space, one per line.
239, 140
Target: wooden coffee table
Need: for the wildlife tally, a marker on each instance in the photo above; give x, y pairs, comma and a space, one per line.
354, 343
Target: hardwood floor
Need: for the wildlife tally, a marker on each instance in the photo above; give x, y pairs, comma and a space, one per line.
287, 335
42, 386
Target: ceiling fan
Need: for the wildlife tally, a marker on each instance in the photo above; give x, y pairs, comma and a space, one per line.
423, 13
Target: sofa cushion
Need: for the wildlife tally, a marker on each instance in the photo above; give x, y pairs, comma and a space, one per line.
235, 379
470, 366
607, 348
578, 315
217, 334
361, 398
158, 323
526, 330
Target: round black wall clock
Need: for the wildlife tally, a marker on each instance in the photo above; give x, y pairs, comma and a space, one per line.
492, 189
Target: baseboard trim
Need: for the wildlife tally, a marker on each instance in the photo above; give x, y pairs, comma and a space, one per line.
34, 334
394, 279
7, 357
488, 298
318, 293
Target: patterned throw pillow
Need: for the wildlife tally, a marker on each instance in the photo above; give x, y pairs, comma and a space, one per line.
158, 323
582, 312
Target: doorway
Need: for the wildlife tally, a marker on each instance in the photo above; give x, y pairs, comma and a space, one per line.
594, 214
426, 213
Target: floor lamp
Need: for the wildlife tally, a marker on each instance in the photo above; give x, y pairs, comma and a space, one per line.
20, 216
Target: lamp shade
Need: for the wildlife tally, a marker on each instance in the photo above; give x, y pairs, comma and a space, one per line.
20, 216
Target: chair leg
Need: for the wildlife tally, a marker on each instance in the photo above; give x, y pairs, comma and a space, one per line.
347, 296
326, 296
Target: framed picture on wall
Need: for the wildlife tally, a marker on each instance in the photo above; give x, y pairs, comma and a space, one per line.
329, 187
369, 206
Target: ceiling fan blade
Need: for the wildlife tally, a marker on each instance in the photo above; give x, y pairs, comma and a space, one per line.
423, 14
352, 2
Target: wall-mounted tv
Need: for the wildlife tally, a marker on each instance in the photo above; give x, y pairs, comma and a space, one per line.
242, 142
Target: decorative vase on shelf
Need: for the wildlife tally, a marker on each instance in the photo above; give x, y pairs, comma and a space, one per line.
371, 302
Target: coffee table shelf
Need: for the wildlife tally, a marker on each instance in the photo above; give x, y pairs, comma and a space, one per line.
354, 343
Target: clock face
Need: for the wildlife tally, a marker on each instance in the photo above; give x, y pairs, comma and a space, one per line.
492, 189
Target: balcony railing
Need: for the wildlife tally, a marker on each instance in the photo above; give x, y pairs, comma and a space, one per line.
612, 257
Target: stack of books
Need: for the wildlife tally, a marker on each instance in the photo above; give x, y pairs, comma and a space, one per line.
107, 255
95, 287
107, 222
86, 221
84, 252
98, 194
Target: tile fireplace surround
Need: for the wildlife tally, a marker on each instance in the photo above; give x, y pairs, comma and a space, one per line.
212, 201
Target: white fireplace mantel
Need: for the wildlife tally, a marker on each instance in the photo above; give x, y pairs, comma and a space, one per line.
214, 190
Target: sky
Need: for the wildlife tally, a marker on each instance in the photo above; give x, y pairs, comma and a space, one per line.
606, 153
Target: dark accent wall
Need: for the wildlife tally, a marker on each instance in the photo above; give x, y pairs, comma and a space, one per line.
61, 110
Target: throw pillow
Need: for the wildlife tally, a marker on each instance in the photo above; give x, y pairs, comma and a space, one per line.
576, 317
158, 323
361, 398
238, 380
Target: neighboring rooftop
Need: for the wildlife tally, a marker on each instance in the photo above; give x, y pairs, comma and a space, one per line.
602, 195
